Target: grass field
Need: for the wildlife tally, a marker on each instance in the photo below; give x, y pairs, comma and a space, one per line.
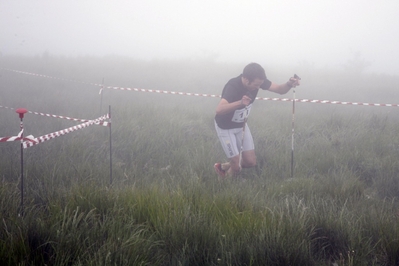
165, 205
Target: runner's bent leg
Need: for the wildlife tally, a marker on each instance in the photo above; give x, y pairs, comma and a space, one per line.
231, 140
228, 140
234, 166
248, 159
248, 154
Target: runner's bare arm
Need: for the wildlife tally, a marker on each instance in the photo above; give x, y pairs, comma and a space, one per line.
225, 107
285, 87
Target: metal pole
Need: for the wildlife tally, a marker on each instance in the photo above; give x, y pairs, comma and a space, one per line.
21, 112
242, 137
293, 128
101, 93
292, 133
110, 146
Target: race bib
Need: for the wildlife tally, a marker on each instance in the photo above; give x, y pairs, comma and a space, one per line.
240, 114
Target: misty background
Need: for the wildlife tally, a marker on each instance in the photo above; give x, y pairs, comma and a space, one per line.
299, 34
164, 146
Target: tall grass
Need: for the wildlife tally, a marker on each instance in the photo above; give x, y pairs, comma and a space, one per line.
165, 205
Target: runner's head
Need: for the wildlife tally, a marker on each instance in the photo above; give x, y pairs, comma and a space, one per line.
253, 71
253, 76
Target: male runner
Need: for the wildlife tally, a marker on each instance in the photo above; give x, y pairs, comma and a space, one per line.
232, 111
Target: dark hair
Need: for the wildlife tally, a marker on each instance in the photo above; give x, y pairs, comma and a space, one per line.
253, 71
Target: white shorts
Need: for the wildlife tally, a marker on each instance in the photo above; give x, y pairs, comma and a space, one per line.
231, 140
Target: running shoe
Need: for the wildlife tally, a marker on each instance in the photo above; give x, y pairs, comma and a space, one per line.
219, 170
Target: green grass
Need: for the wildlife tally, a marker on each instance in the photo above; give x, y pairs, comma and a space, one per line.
165, 205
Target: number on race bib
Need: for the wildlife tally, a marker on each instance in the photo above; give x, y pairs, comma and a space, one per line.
240, 115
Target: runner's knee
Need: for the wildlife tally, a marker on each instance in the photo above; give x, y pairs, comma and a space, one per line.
249, 163
249, 160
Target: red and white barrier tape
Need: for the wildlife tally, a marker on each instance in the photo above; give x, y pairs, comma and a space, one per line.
18, 137
59, 116
259, 98
165, 92
330, 102
100, 120
212, 95
50, 77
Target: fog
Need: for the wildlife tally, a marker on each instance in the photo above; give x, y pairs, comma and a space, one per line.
287, 33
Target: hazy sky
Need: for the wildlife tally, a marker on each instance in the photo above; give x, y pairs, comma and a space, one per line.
323, 33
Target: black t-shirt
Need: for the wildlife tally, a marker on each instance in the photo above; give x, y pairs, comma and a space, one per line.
233, 91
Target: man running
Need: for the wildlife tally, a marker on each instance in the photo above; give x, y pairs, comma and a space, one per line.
232, 111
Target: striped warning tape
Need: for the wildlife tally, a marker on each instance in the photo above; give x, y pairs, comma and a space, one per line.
18, 137
330, 102
49, 77
165, 92
100, 120
211, 95
59, 116
258, 98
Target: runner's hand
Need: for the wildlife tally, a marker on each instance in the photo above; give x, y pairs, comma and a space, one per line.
294, 81
245, 100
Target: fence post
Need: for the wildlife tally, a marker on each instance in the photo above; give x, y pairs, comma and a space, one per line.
21, 112
110, 146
